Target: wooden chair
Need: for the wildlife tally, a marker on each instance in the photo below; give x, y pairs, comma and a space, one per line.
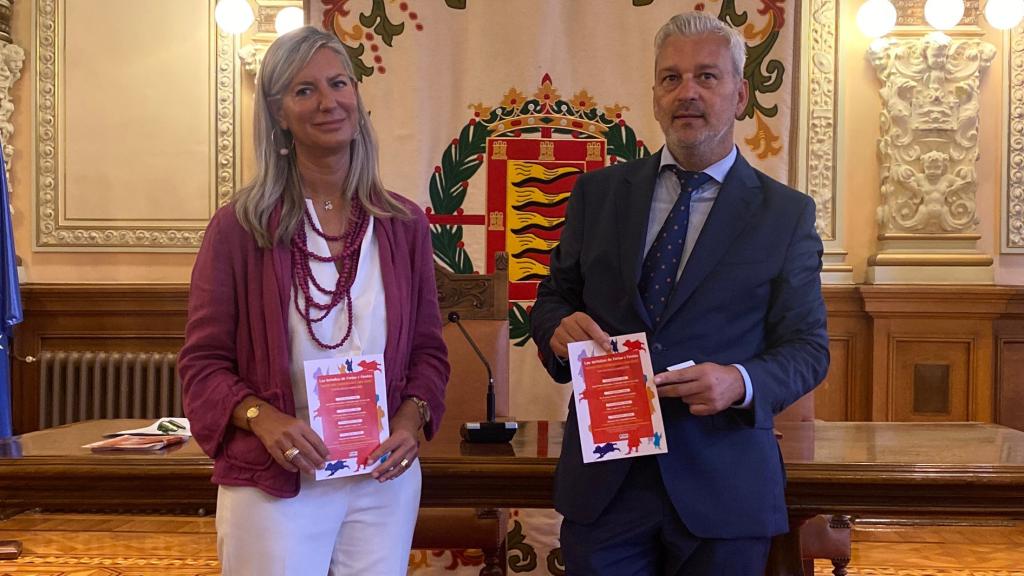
482, 303
822, 536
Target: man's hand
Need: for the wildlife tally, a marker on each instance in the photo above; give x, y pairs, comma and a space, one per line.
708, 388
578, 327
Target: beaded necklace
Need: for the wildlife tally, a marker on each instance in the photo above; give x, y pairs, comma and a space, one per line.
303, 277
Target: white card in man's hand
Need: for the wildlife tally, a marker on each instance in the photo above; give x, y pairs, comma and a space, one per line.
680, 366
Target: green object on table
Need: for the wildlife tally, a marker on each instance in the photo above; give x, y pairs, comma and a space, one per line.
169, 427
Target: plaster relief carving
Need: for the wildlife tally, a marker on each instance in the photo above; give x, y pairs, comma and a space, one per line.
1013, 113
929, 136
53, 230
821, 121
251, 57
12, 58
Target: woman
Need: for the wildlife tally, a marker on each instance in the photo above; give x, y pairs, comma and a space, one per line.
313, 259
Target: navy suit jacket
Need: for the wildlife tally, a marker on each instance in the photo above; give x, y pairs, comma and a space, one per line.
749, 294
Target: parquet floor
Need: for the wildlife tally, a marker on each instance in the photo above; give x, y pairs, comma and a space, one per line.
884, 549
108, 545
92, 545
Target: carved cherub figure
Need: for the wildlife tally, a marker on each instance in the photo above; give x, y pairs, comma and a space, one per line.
936, 194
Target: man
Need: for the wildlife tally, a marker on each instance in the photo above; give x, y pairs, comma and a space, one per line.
741, 298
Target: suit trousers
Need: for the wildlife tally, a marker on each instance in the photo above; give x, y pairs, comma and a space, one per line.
640, 534
343, 527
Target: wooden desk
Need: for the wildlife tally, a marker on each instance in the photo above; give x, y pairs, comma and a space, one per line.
885, 469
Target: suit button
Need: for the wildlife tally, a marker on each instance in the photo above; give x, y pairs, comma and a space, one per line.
657, 347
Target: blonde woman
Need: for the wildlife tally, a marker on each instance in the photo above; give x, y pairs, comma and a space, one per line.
313, 259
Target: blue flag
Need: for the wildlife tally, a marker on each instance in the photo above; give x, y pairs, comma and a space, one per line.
10, 300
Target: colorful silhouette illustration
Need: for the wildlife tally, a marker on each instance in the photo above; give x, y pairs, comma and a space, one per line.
633, 442
582, 355
605, 449
335, 467
634, 346
369, 365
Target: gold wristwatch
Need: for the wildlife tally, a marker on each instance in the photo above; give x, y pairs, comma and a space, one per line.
251, 413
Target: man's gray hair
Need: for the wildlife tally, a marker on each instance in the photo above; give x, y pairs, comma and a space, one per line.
691, 24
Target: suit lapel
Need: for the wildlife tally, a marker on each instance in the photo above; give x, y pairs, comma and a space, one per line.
633, 204
737, 202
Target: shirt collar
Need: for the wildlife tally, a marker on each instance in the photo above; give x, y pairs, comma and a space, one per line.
718, 170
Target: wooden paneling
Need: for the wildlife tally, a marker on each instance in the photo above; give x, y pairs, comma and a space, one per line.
1010, 364
919, 392
831, 398
878, 334
1010, 395
845, 394
943, 325
110, 317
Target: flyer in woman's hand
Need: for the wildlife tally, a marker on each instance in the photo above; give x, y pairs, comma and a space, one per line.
616, 401
348, 408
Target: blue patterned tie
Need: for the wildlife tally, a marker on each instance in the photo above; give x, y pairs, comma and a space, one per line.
658, 275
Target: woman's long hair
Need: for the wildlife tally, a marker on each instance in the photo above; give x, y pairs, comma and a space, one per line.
276, 177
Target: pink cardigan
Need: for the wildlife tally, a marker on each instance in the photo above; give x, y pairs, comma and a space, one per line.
236, 339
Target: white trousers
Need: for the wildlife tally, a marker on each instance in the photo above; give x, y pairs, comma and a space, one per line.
351, 526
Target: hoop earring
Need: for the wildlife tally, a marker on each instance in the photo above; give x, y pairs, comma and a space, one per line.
282, 150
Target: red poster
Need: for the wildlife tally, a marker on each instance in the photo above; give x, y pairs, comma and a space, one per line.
348, 408
617, 397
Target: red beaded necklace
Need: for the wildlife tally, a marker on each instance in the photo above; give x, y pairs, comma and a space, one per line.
302, 272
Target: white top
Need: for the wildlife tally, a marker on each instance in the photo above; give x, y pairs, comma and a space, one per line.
369, 335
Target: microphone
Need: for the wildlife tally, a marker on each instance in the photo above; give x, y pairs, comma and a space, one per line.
489, 431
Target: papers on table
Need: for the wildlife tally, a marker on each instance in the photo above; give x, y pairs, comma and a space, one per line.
136, 443
616, 401
162, 427
348, 408
161, 434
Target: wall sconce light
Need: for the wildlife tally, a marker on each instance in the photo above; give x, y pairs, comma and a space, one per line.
237, 16
233, 16
270, 19
943, 14
1004, 14
288, 19
876, 18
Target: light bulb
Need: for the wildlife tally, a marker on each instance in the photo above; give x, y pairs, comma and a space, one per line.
288, 19
943, 14
1004, 14
234, 16
876, 18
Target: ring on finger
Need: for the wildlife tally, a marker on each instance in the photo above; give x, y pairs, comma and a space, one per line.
291, 453
404, 463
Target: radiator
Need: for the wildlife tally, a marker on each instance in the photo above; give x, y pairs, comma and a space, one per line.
75, 386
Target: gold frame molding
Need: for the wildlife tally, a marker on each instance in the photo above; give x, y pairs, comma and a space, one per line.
50, 233
818, 114
1013, 153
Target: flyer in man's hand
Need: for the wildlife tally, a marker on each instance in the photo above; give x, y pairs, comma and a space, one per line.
616, 401
348, 408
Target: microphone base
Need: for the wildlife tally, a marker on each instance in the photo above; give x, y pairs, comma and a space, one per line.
488, 432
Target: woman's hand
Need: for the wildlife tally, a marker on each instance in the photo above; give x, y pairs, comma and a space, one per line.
403, 444
283, 435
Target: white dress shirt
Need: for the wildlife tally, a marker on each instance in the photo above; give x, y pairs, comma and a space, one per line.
666, 191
